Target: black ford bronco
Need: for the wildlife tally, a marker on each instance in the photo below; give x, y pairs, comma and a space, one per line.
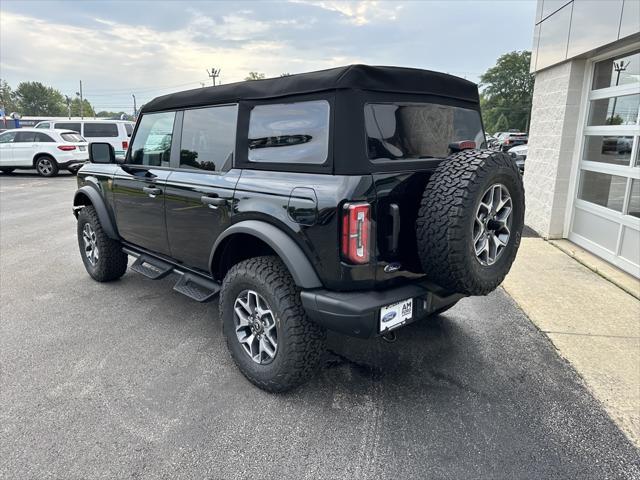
356, 199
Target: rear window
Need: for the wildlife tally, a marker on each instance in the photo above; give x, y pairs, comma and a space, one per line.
92, 130
72, 137
129, 129
290, 133
75, 126
412, 131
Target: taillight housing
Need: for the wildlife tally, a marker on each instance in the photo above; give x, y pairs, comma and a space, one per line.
66, 148
125, 144
356, 232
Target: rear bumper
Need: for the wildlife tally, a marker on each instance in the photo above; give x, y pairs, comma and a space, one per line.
358, 313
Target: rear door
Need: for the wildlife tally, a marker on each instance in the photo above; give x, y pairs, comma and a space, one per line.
139, 184
199, 192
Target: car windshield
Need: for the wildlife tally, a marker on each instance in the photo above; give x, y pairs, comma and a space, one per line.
72, 137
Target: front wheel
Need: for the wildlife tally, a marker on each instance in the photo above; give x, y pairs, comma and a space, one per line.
46, 166
269, 336
102, 256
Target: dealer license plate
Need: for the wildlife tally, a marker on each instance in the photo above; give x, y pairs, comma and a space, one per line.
397, 314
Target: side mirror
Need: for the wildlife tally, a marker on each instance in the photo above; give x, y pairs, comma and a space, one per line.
102, 152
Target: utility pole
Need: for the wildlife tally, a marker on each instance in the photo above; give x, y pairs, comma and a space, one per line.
135, 110
68, 99
213, 74
81, 101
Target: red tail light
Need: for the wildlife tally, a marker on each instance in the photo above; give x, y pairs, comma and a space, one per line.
125, 144
66, 148
356, 232
507, 142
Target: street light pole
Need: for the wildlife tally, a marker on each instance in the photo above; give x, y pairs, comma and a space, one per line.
213, 74
619, 67
68, 99
81, 101
135, 110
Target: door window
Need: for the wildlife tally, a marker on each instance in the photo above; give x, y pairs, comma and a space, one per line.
290, 133
25, 137
75, 126
152, 142
208, 138
7, 137
92, 130
43, 125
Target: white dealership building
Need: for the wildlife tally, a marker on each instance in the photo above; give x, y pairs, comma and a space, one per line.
582, 175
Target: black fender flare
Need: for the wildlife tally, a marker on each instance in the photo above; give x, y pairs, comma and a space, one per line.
101, 209
303, 273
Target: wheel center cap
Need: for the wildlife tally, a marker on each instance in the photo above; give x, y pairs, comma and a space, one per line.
256, 326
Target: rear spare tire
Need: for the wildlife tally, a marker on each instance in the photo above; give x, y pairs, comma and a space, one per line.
470, 221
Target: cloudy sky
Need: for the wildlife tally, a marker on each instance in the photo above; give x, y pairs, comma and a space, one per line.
154, 47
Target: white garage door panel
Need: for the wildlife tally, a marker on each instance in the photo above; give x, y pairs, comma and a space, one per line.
630, 247
599, 230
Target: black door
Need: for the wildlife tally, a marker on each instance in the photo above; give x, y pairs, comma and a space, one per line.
139, 184
199, 192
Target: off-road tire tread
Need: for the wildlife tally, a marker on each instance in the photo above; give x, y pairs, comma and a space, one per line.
112, 263
305, 339
450, 192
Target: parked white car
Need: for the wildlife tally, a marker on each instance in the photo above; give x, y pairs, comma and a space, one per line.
519, 154
115, 132
47, 151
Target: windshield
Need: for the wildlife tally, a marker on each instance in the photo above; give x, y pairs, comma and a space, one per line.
419, 130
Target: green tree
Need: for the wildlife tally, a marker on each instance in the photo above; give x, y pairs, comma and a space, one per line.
87, 109
255, 76
34, 98
507, 89
7, 98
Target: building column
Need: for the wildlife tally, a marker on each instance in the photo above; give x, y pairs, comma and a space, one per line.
552, 137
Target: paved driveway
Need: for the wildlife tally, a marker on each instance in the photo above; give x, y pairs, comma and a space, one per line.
132, 380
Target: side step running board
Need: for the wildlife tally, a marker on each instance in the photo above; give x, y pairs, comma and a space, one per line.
199, 289
192, 285
151, 267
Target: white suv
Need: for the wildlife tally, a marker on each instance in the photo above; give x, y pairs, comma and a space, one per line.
115, 132
46, 151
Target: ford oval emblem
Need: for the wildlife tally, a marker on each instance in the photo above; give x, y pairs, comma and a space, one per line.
393, 267
388, 317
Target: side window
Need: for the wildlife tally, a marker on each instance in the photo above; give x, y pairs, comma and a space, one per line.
75, 126
92, 130
43, 125
208, 138
129, 129
7, 137
43, 137
289, 132
152, 142
25, 137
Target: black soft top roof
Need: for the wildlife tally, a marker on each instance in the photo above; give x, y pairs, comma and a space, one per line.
360, 77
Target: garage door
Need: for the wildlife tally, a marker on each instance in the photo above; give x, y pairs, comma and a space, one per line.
606, 210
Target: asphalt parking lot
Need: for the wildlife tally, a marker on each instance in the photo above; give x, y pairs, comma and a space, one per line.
133, 380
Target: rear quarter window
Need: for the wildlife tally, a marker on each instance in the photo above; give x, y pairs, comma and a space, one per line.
289, 133
92, 130
413, 131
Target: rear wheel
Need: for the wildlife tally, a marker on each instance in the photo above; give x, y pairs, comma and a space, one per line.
102, 256
46, 166
470, 221
269, 336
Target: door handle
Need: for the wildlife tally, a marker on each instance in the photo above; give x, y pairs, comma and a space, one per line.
213, 202
152, 191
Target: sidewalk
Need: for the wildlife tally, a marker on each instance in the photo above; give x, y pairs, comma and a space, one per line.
592, 322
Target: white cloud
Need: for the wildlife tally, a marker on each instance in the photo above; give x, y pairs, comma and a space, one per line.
358, 12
